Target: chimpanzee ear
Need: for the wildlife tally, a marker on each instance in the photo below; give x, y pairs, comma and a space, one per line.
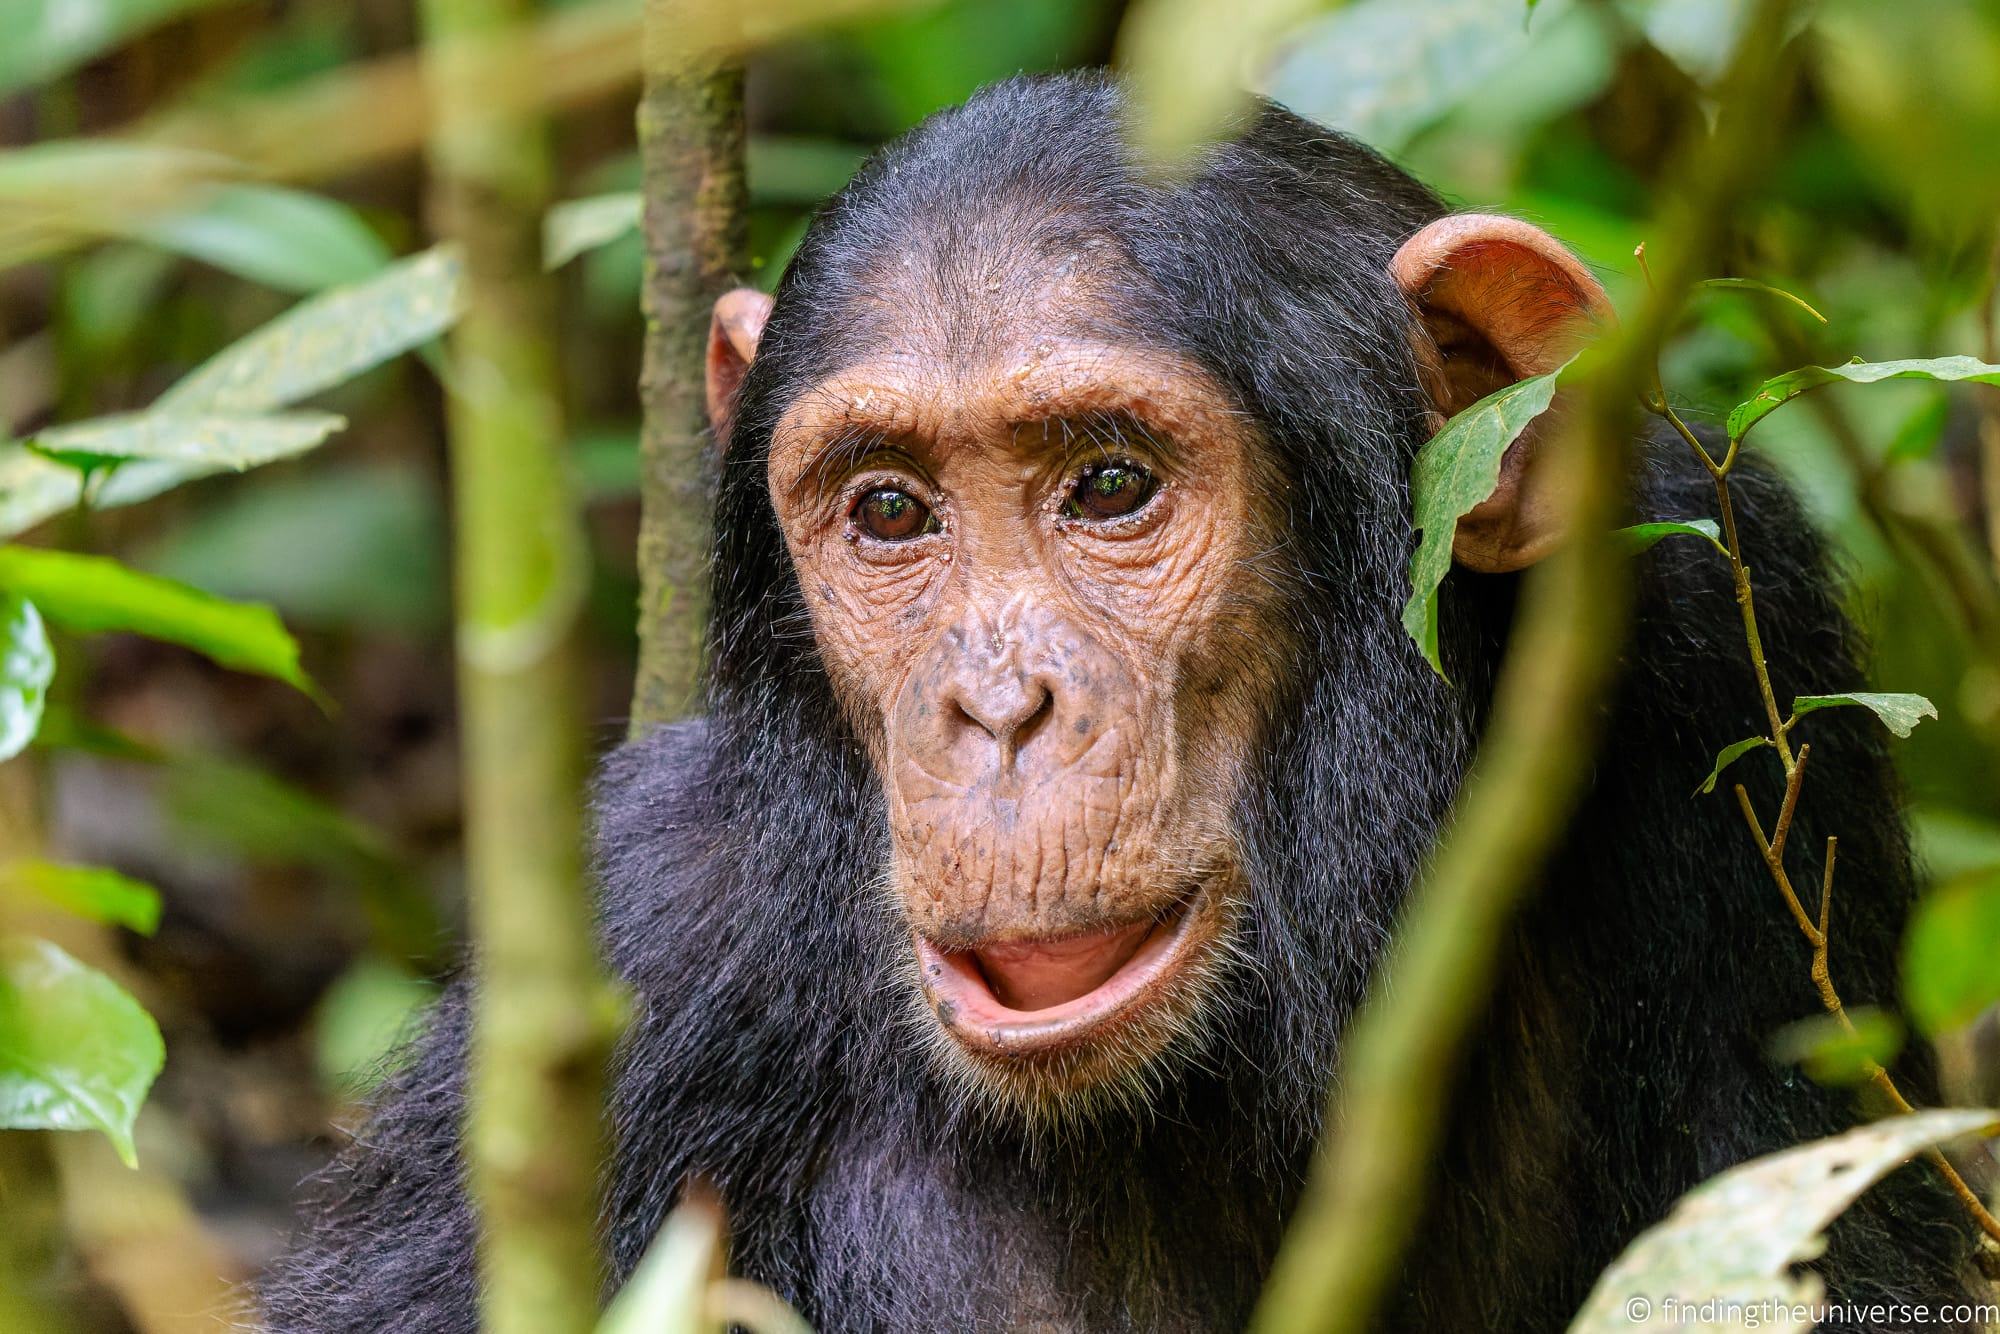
733, 331
1501, 301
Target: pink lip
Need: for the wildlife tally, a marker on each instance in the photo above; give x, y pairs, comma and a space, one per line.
1066, 987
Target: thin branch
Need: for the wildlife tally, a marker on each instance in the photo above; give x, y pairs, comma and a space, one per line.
1776, 867
1793, 782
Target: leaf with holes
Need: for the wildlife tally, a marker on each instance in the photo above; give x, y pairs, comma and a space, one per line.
92, 593
1641, 536
76, 1051
27, 665
1899, 713
1775, 393
1454, 471
211, 443
1739, 1237
94, 892
1729, 754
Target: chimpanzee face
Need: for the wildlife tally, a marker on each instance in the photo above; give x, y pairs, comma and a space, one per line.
1033, 567
1038, 560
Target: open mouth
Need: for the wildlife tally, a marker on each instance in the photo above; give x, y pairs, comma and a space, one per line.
1018, 997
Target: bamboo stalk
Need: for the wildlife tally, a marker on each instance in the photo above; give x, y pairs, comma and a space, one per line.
542, 1022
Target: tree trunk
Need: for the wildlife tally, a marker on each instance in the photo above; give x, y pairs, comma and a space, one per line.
691, 149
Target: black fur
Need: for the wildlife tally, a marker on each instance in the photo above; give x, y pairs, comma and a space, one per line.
1623, 1062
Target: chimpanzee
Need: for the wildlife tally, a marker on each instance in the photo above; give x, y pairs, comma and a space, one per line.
1065, 764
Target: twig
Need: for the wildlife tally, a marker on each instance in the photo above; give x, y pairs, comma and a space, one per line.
1818, 935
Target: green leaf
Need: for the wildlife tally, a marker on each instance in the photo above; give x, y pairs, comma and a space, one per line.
577, 225
27, 665
211, 443
1834, 1054
311, 348
1729, 754
326, 341
92, 593
45, 38
1738, 1237
287, 239
668, 1292
1455, 471
1752, 285
95, 892
1775, 393
76, 1052
1641, 536
362, 1020
1899, 713
1951, 952
1386, 70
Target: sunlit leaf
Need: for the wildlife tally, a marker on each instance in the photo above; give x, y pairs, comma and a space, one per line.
1899, 713
27, 665
1186, 60
1697, 35
45, 38
1775, 393
1835, 1054
326, 341
668, 1292
313, 347
1383, 70
1454, 471
1729, 754
76, 1051
287, 239
211, 443
577, 225
1738, 1237
1951, 953
95, 892
92, 593
1640, 536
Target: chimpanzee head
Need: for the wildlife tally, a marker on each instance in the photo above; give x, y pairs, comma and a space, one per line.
1090, 488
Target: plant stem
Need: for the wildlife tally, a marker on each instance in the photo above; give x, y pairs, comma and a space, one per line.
691, 150
1818, 936
542, 1021
1366, 1193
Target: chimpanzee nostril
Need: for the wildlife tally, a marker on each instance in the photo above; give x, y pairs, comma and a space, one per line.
1010, 710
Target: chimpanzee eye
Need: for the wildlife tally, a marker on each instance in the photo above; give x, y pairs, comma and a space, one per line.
1110, 491
889, 515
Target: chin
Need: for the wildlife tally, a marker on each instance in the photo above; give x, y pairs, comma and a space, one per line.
1055, 1029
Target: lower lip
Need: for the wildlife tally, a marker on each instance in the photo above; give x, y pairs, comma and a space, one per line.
965, 1002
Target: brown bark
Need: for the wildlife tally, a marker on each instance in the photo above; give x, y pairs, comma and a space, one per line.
691, 148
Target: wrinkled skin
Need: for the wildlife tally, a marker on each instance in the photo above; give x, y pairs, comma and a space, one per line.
1058, 700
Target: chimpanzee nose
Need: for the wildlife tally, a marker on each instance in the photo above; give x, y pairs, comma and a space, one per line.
1008, 705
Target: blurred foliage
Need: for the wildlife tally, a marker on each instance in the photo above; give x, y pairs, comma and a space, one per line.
191, 282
